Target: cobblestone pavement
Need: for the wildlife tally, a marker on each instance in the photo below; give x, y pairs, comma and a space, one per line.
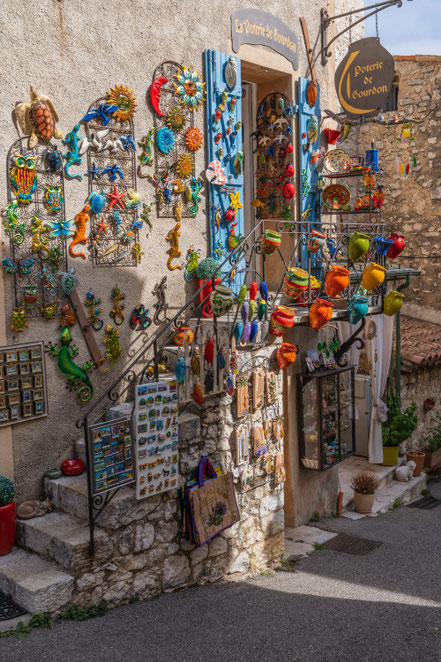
384, 606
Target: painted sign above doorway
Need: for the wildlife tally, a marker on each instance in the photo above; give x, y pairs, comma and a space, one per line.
252, 26
364, 77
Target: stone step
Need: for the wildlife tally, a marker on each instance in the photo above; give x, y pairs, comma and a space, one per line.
33, 583
64, 539
393, 492
353, 465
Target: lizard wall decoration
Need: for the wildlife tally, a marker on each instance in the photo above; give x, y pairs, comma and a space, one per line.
76, 374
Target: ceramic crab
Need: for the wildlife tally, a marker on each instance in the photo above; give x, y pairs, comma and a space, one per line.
37, 118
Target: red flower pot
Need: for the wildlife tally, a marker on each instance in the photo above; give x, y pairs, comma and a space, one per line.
207, 311
7, 528
398, 245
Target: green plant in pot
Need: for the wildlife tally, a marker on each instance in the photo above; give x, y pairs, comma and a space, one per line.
364, 485
399, 426
7, 515
204, 272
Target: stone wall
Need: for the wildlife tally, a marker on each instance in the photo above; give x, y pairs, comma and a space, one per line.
413, 205
416, 386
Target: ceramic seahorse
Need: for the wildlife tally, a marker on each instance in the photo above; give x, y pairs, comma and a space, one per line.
75, 373
195, 188
81, 220
72, 156
173, 251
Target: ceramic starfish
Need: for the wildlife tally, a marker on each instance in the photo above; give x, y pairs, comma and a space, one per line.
102, 227
235, 203
115, 198
94, 172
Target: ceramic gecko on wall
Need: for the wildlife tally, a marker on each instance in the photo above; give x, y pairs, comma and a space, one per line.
81, 220
75, 373
173, 251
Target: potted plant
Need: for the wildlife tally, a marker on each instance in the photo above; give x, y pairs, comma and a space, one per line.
364, 485
204, 272
432, 448
7, 515
397, 428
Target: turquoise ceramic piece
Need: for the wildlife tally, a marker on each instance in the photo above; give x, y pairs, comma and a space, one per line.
357, 308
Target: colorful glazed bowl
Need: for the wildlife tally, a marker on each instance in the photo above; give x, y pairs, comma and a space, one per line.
72, 467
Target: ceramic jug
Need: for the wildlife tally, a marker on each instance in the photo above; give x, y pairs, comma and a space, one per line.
337, 279
373, 275
358, 245
393, 301
357, 308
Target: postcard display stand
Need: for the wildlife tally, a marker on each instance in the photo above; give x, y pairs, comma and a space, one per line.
23, 394
111, 452
156, 434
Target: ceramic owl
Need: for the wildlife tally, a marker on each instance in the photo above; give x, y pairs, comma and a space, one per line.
23, 177
18, 320
54, 197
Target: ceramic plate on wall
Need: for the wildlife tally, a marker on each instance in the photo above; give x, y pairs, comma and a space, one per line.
337, 162
336, 197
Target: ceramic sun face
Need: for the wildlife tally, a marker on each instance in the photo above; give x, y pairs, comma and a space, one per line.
193, 139
121, 96
176, 119
184, 166
190, 88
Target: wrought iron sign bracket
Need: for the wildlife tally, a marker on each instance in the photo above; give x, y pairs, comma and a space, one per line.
346, 346
326, 20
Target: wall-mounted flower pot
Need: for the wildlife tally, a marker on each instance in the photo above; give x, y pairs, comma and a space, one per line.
397, 246
7, 528
363, 502
207, 313
337, 280
358, 245
320, 312
418, 458
281, 319
357, 308
390, 455
270, 241
373, 275
393, 301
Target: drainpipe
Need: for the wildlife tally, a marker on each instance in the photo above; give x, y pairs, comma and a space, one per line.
398, 344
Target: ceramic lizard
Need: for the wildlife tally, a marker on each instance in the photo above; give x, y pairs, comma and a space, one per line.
65, 354
173, 251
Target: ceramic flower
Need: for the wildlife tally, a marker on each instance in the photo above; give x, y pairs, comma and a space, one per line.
190, 88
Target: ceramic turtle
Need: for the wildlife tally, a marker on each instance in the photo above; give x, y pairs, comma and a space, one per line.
38, 118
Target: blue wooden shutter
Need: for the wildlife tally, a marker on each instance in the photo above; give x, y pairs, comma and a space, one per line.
215, 63
309, 196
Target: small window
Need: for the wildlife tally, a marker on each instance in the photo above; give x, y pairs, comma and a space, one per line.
392, 99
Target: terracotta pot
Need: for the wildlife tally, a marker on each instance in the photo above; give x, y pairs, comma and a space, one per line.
398, 245
393, 301
358, 245
373, 275
432, 460
337, 279
390, 455
363, 502
222, 300
316, 241
270, 241
7, 528
320, 312
357, 308
207, 313
418, 458
296, 277
286, 355
281, 319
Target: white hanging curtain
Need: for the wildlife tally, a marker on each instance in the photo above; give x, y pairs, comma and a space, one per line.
379, 334
345, 331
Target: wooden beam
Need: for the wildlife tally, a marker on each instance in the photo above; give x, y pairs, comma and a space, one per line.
308, 47
86, 329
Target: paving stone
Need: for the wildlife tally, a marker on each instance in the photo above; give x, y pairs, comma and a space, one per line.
297, 550
308, 534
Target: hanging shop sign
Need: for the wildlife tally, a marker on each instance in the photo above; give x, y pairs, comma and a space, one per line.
364, 77
252, 26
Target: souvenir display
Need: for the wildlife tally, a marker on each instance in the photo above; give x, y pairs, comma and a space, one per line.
358, 245
37, 118
373, 275
111, 165
275, 168
336, 197
156, 435
258, 439
271, 388
111, 452
336, 280
398, 245
23, 390
337, 162
77, 375
279, 469
242, 397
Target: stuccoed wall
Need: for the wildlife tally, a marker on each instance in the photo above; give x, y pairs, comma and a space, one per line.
413, 206
74, 52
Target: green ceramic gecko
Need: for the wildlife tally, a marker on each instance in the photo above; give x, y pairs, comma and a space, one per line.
65, 355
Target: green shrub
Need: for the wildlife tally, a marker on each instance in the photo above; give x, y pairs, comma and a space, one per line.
206, 268
400, 424
433, 440
7, 491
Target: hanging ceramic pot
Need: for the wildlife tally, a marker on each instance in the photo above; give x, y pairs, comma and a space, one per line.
270, 241
393, 301
337, 280
207, 287
320, 312
184, 336
316, 241
286, 355
296, 278
373, 275
382, 245
222, 300
357, 308
281, 319
358, 245
398, 245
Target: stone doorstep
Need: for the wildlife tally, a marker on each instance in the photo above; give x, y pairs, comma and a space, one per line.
35, 584
385, 497
299, 541
63, 538
353, 465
